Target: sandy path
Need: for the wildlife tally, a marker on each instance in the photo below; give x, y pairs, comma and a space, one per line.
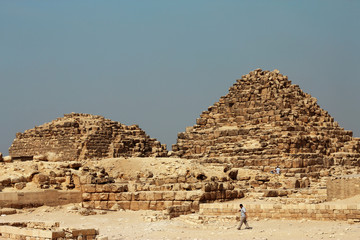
130, 225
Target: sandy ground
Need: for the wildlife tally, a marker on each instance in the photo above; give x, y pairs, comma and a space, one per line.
131, 225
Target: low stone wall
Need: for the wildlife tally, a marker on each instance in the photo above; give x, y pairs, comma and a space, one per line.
344, 187
43, 231
323, 212
39, 198
118, 196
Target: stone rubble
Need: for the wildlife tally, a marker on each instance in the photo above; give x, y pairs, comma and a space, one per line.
79, 136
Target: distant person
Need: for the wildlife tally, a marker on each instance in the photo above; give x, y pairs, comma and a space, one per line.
277, 169
243, 218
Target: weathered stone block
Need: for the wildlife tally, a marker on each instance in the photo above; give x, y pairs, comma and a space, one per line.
89, 188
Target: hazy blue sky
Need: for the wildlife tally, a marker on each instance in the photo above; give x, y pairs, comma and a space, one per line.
161, 63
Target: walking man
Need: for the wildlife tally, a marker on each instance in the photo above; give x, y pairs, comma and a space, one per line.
243, 218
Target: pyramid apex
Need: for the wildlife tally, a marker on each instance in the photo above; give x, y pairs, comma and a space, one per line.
276, 71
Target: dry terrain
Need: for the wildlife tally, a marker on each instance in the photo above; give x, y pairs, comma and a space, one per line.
132, 225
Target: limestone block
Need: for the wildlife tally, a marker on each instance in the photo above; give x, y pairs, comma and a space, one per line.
97, 204
95, 197
157, 196
243, 178
160, 205
134, 205
116, 188
305, 182
125, 196
292, 183
135, 196
89, 188
104, 196
168, 196
180, 195
103, 188
143, 196
112, 197
20, 185
271, 193
41, 179
86, 196
124, 204
7, 159
168, 204
76, 180
103, 205
112, 205
89, 204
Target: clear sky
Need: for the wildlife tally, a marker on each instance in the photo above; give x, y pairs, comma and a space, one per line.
160, 63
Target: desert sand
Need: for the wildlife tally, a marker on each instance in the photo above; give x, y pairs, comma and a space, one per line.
133, 225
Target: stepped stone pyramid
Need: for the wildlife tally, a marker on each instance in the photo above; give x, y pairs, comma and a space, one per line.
79, 136
265, 120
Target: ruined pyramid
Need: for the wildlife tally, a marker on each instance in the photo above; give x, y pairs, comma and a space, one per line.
265, 121
78, 136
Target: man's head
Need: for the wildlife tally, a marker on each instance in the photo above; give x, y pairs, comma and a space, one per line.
241, 205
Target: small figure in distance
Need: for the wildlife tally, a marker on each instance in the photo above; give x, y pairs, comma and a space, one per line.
243, 218
277, 169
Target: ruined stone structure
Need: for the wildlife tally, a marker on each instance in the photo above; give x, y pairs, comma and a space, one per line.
343, 187
161, 196
44, 231
265, 121
79, 136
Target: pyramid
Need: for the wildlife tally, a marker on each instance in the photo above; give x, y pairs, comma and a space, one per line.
265, 120
79, 136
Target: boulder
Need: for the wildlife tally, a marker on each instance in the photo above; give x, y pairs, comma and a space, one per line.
305, 182
233, 174
271, 193
292, 183
20, 185
41, 178
7, 159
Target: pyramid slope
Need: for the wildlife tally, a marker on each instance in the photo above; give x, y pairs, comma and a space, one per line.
266, 120
79, 136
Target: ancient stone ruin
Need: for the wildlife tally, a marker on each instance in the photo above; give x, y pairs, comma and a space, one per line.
44, 231
79, 136
265, 121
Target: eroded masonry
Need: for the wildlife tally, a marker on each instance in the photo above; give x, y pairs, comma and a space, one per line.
265, 120
79, 136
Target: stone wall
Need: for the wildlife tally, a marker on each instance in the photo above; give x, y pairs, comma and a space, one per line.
132, 196
265, 120
343, 187
39, 198
84, 136
323, 212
